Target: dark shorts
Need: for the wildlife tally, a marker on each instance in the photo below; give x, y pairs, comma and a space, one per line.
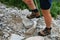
45, 4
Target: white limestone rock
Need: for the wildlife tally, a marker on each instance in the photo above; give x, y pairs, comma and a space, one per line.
6, 35
58, 17
27, 23
41, 23
32, 29
1, 15
15, 37
35, 38
25, 12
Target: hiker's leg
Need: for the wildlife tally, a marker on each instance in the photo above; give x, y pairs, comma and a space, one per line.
32, 7
45, 8
47, 17
30, 4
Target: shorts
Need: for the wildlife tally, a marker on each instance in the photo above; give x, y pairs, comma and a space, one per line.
45, 4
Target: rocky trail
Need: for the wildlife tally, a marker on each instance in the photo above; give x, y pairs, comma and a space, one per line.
15, 26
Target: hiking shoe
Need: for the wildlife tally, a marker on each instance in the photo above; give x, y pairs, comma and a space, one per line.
45, 32
33, 15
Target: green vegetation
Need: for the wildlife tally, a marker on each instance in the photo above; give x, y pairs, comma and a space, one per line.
55, 10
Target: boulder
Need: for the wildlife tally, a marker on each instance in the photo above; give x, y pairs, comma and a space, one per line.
15, 37
35, 38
